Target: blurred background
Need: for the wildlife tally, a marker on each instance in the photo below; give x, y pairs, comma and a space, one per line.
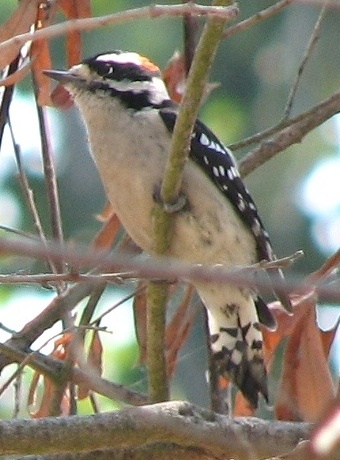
297, 192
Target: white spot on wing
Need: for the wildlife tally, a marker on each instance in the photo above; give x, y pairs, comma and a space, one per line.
222, 170
204, 140
256, 227
215, 171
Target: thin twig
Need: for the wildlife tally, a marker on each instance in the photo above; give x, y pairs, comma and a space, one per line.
287, 133
153, 11
52, 367
141, 288
50, 279
156, 268
28, 193
50, 177
310, 47
258, 17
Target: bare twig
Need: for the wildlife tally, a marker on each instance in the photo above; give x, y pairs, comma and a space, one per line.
287, 133
53, 368
310, 46
28, 193
258, 17
156, 268
50, 176
153, 11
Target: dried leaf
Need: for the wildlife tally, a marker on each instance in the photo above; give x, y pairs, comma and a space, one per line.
306, 385
49, 392
20, 22
242, 407
74, 9
94, 363
96, 354
17, 76
40, 51
49, 387
106, 213
139, 313
107, 234
41, 54
175, 76
178, 330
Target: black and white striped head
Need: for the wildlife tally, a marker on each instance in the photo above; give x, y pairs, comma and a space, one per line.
130, 77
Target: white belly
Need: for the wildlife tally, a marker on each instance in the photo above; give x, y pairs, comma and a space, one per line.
207, 231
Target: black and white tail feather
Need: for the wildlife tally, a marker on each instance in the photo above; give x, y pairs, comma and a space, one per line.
130, 120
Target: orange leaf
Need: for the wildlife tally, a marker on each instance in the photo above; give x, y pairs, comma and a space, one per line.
327, 338
94, 362
175, 76
107, 233
95, 354
74, 9
306, 385
42, 61
49, 393
242, 407
20, 22
178, 330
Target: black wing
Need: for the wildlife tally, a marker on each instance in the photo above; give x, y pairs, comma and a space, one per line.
218, 163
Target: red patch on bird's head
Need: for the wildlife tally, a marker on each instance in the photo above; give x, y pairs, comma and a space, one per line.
148, 64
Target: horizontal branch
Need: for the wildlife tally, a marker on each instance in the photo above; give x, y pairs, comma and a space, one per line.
176, 422
159, 268
153, 11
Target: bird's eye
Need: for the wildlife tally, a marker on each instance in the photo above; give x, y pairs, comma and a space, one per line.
105, 69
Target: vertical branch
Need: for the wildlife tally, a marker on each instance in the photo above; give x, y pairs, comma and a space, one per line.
158, 385
50, 177
190, 41
170, 193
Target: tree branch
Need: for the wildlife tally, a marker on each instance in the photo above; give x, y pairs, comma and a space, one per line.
287, 133
153, 11
170, 195
175, 422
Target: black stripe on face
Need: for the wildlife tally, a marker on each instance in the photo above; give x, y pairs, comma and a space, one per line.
130, 99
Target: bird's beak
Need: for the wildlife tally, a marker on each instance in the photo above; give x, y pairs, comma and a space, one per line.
64, 76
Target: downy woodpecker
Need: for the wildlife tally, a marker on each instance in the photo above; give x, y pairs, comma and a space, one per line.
130, 118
